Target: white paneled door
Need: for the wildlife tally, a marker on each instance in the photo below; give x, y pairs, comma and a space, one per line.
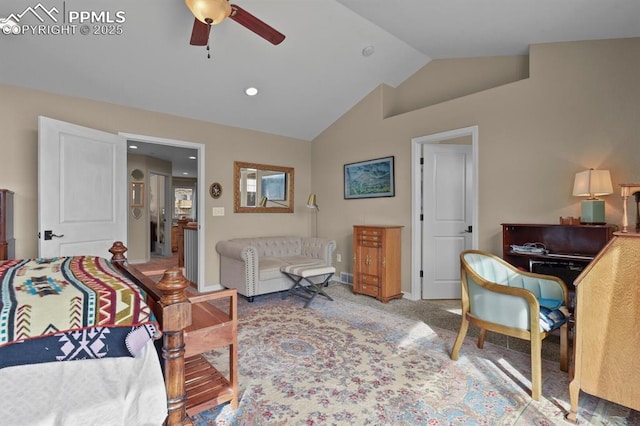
81, 204
447, 206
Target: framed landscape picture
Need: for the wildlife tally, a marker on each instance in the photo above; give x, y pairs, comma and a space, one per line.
369, 179
274, 186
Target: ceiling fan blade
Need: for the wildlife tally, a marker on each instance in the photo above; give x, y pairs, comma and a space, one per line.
200, 33
254, 24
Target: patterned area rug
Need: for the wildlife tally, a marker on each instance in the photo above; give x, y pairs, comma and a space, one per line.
347, 364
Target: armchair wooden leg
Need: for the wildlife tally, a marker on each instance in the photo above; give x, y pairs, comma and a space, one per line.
564, 348
464, 326
574, 392
481, 337
536, 369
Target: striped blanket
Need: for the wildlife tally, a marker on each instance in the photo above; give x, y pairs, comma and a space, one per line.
69, 308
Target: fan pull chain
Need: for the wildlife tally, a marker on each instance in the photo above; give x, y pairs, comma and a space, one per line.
209, 21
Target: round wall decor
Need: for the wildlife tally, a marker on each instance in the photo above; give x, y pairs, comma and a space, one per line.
136, 212
137, 174
215, 190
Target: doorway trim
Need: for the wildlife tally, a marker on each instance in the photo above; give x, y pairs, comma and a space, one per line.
200, 191
416, 198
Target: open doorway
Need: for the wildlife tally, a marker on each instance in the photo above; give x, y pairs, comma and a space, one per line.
444, 210
168, 164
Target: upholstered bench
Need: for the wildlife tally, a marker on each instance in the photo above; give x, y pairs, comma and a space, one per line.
308, 280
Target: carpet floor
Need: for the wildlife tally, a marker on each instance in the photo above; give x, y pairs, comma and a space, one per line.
345, 362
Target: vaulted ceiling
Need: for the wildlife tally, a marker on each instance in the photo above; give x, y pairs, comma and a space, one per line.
317, 74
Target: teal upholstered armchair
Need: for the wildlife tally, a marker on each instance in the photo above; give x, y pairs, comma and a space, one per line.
498, 297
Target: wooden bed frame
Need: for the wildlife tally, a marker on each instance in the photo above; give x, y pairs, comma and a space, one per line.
192, 384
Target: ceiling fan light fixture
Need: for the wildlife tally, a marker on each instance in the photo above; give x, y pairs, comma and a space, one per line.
205, 10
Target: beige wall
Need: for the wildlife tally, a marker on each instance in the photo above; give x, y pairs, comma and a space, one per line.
578, 109
443, 80
19, 111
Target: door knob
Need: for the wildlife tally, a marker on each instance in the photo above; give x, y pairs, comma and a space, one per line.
49, 235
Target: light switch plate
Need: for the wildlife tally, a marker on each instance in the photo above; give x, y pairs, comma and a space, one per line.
218, 211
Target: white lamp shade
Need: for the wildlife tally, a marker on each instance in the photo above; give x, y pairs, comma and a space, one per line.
592, 183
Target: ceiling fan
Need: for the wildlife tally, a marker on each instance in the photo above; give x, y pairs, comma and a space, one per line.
212, 12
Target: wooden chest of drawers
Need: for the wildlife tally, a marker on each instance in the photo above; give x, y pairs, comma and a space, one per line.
376, 261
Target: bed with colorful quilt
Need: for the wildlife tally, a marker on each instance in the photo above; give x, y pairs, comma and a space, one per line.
85, 340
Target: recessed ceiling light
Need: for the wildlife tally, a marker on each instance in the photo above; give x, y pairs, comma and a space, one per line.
368, 51
133, 146
251, 91
185, 173
192, 158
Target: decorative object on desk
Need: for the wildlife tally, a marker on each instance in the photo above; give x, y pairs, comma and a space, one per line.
215, 190
369, 179
592, 183
570, 220
626, 189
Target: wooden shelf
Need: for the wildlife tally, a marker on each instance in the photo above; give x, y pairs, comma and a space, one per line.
206, 387
211, 328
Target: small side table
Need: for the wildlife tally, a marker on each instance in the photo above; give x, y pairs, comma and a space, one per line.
303, 285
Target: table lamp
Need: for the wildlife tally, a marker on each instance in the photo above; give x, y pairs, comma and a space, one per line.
591, 184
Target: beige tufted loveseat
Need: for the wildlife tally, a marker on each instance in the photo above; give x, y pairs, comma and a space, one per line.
252, 265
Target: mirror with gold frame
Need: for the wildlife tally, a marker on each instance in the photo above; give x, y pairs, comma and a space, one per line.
137, 194
261, 188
